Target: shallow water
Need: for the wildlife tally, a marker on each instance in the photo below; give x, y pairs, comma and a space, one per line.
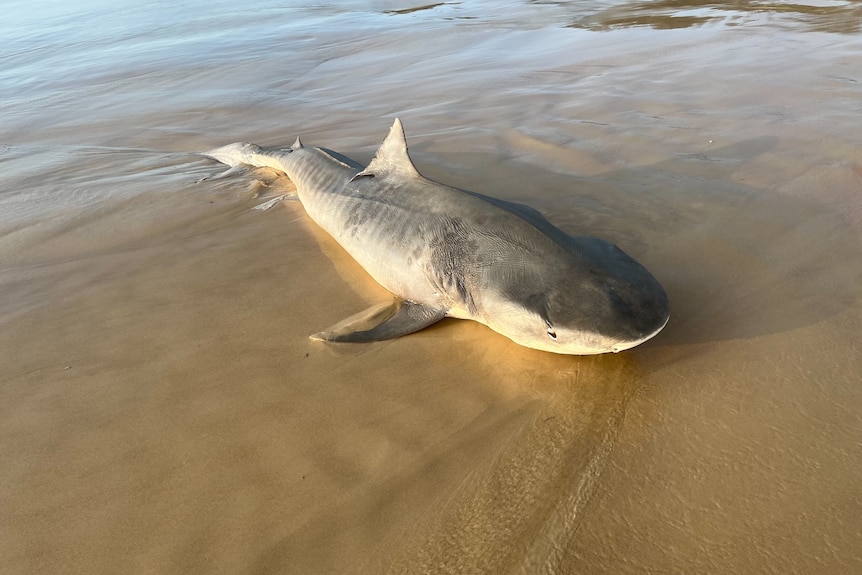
163, 410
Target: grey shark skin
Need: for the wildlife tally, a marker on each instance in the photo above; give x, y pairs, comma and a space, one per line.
448, 252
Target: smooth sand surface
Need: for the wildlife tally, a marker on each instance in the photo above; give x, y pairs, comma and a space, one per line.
162, 409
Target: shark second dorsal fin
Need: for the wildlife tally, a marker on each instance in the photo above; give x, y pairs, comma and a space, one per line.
297, 144
391, 157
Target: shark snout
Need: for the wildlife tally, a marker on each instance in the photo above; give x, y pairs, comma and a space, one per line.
641, 315
629, 343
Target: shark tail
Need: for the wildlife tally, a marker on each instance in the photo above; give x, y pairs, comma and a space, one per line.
245, 154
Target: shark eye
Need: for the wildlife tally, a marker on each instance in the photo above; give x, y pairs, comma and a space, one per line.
551, 333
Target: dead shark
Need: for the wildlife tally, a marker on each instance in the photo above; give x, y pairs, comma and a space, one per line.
446, 252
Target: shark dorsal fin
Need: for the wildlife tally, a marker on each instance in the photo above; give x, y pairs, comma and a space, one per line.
297, 144
391, 157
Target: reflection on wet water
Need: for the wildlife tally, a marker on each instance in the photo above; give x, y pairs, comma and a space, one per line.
416, 8
841, 16
522, 506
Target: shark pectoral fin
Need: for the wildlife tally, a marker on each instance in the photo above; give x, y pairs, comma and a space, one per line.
381, 322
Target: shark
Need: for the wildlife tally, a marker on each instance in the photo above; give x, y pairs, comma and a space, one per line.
446, 252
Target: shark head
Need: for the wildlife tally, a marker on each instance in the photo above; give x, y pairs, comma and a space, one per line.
592, 299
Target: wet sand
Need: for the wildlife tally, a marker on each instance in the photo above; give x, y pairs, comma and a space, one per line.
163, 410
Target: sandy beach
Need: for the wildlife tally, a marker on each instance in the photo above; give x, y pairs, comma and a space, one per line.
162, 409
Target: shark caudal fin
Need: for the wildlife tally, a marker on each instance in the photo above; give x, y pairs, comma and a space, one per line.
242, 156
239, 153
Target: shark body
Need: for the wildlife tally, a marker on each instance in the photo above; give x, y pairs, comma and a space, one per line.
442, 251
